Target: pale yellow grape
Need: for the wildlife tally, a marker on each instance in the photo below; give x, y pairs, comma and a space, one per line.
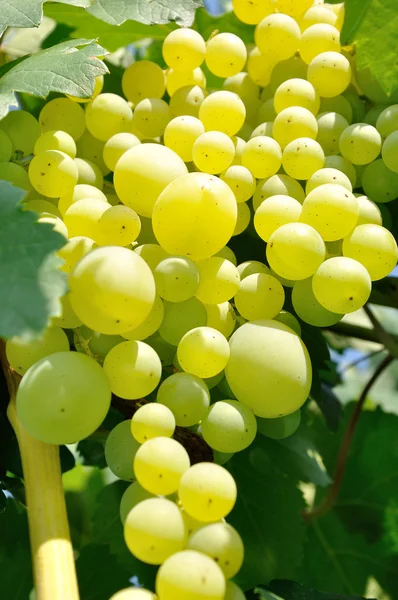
53, 173
302, 157
330, 127
176, 278
152, 254
338, 104
263, 129
219, 280
203, 351
374, 247
222, 111
290, 320
309, 309
266, 111
379, 182
291, 68
116, 146
107, 115
56, 140
295, 8
135, 593
233, 592
151, 117
296, 92
143, 79
195, 216
292, 123
221, 317
143, 172
92, 149
339, 10
225, 54
260, 296
329, 73
342, 284
259, 67
187, 396
42, 206
207, 492
241, 181
82, 218
387, 121
213, 152
159, 464
79, 192
317, 14
262, 156
229, 426
222, 543
118, 226
176, 79
22, 353
243, 218
120, 449
23, 130
184, 49
150, 325
180, 135
250, 267
276, 185
360, 143
317, 39
67, 318
132, 496
74, 250
341, 164
368, 211
274, 212
242, 84
187, 100
252, 11
390, 151
327, 175
64, 115
112, 290
152, 420
181, 317
239, 144
88, 173
332, 210
227, 253
277, 35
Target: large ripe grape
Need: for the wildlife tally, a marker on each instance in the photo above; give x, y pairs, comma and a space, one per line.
22, 353
327, 175
229, 426
302, 157
181, 133
213, 152
329, 73
309, 309
53, 173
273, 212
277, 35
360, 143
107, 115
374, 247
225, 54
317, 39
262, 156
292, 123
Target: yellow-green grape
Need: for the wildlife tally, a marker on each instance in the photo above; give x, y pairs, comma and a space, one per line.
23, 130
143, 172
82, 218
386, 123
274, 212
118, 226
277, 35
133, 369
98, 85
56, 224
243, 219
203, 352
379, 182
202, 578
180, 135
116, 146
369, 212
184, 49
194, 216
302, 157
329, 73
134, 593
5, 147
42, 206
152, 420
250, 267
151, 117
332, 210
295, 8
221, 317
266, 112
159, 465
239, 144
264, 129
281, 428
56, 140
154, 530
292, 68
79, 192
317, 39
225, 54
242, 84
121, 298
86, 340
152, 254
63, 114
227, 253
296, 92
292, 123
150, 325
317, 14
277, 185
187, 396
259, 67
176, 278
120, 449
330, 127
107, 115
221, 542
219, 280
143, 79
181, 317
390, 151
23, 353
308, 308
327, 175
74, 250
92, 149
233, 592
252, 11
341, 164
67, 319
241, 181
229, 426
374, 247
290, 320
132, 496
222, 111
342, 284
187, 100
360, 143
176, 79
77, 407
213, 152
88, 173
260, 296
191, 524
53, 173
338, 104
262, 156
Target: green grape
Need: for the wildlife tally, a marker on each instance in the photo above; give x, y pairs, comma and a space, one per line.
225, 54
195, 216
180, 135
374, 247
53, 173
159, 465
67, 318
266, 112
221, 317
229, 426
252, 11
120, 299
379, 182
5, 147
328, 175
308, 308
143, 172
22, 353
242, 85
219, 280
152, 420
317, 39
342, 284
222, 111
82, 218
277, 185
241, 181
213, 152
143, 79
332, 210
164, 350
227, 253
269, 355
132, 496
329, 73
93, 343
64, 115
277, 35
292, 123
290, 320
190, 575
88, 173
16, 175
360, 143
222, 543
187, 396
264, 129
386, 124
67, 413
107, 115
233, 592
181, 317
151, 117
23, 130
207, 492
116, 146
56, 140
186, 101
281, 428
184, 49
274, 212
92, 149
330, 127
42, 206
176, 79
341, 164
260, 296
120, 450
250, 267
133, 369
152, 254
295, 251
259, 67
338, 104
317, 14
243, 219
390, 151
176, 278
79, 192
262, 155
118, 226
138, 594
296, 92
221, 458
292, 68
369, 212
74, 250
203, 352
150, 325
302, 157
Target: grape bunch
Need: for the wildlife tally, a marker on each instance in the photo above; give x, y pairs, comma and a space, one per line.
148, 190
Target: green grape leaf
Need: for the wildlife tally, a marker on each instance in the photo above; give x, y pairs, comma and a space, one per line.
154, 12
68, 68
79, 3
19, 13
29, 269
298, 456
385, 292
99, 574
16, 579
293, 590
355, 12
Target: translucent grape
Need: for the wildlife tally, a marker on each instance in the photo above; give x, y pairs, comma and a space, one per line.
276, 185
23, 130
86, 340
260, 296
386, 124
176, 278
184, 49
221, 317
281, 428
290, 320
107, 115
330, 127
135, 593
176, 79
23, 353
242, 85
120, 449
262, 156
252, 11
219, 280
338, 104
74, 250
296, 92
227, 253
53, 173
143, 79
187, 396
369, 212
233, 592
116, 146
329, 73
317, 14
295, 8
277, 35
274, 212
360, 143
328, 175
229, 426
259, 67
213, 152
374, 247
132, 496
203, 352
266, 112
64, 115
186, 101
79, 192
152, 254
152, 420
250, 267
118, 226
302, 157
342, 164
292, 68
181, 317
56, 140
159, 465
42, 206
82, 218
317, 39
264, 129
309, 309
164, 350
91, 148
222, 111
151, 117
225, 54
68, 318
5, 147
88, 173
379, 182
181, 134
390, 152
243, 218
150, 325
56, 224
222, 543
241, 181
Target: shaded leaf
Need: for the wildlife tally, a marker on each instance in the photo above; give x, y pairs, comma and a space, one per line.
99, 573
293, 590
355, 12
19, 13
16, 579
303, 460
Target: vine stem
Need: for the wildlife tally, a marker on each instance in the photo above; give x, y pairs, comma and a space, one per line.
51, 547
333, 493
